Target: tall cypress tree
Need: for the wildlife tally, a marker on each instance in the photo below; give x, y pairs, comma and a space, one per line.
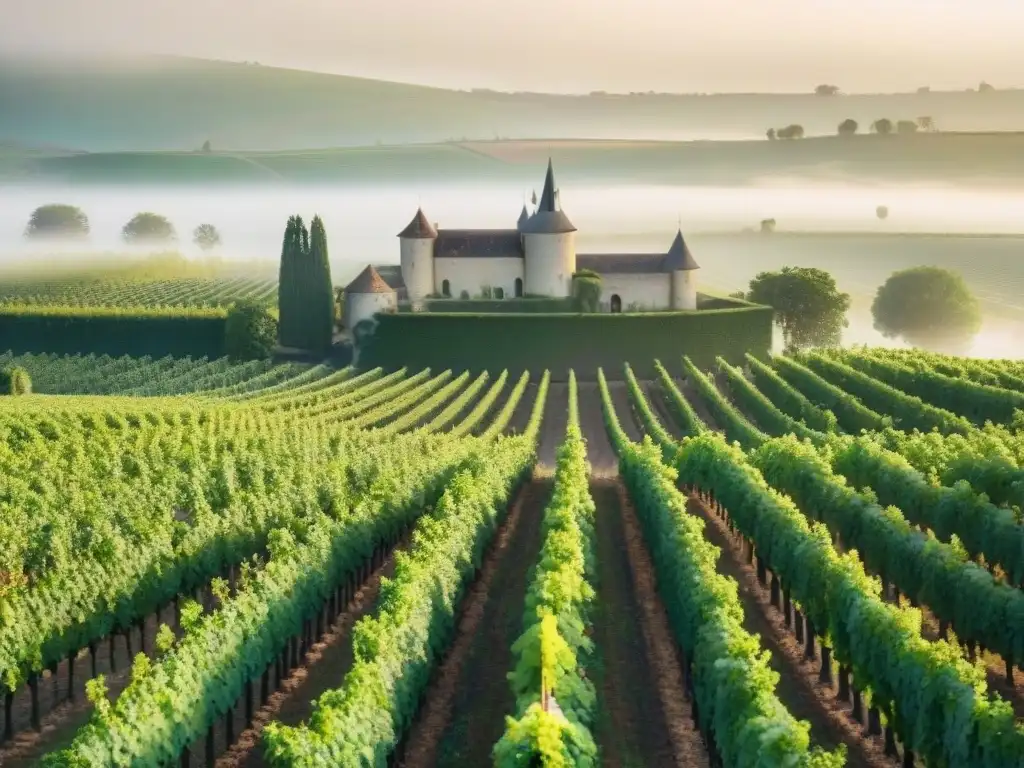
285, 283
321, 290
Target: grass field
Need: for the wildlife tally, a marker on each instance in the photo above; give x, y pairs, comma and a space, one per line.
177, 104
979, 159
264, 505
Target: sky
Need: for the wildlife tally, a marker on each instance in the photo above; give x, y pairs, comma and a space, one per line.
560, 45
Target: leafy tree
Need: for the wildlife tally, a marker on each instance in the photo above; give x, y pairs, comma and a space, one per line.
206, 146
923, 90
15, 381
808, 306
771, 134
793, 131
250, 331
926, 123
586, 291
882, 212
206, 237
848, 127
148, 228
882, 126
339, 308
928, 307
826, 90
984, 87
57, 221
767, 226
906, 126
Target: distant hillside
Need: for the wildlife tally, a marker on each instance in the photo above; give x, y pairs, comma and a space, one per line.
975, 159
177, 104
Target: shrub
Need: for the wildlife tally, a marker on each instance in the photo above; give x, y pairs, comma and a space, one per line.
15, 381
250, 331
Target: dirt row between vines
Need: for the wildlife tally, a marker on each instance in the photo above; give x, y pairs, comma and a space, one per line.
798, 686
463, 714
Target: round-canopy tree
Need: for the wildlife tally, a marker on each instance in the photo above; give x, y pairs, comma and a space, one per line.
250, 331
148, 228
848, 127
928, 307
206, 237
15, 381
57, 221
586, 290
808, 306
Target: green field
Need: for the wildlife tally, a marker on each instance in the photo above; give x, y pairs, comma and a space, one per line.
592, 560
979, 159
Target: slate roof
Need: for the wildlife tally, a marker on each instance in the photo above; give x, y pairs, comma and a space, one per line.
523, 218
369, 281
549, 219
622, 263
392, 275
420, 227
478, 244
679, 257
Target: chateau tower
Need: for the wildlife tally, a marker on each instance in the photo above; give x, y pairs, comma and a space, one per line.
682, 268
549, 246
417, 243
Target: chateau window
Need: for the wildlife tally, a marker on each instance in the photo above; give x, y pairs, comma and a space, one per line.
519, 287
446, 288
499, 293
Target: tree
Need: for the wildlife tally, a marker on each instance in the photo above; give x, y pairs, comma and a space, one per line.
882, 212
924, 90
984, 87
586, 291
771, 134
882, 126
305, 292
928, 307
206, 237
848, 127
767, 226
826, 90
808, 306
791, 132
250, 331
15, 381
57, 221
906, 126
926, 123
206, 146
148, 228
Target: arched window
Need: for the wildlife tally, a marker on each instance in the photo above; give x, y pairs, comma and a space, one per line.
616, 303
499, 293
446, 288
519, 287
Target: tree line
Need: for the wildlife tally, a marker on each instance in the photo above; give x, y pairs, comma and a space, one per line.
68, 222
925, 306
883, 126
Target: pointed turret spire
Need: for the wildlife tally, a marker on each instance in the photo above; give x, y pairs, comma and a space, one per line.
549, 219
679, 258
524, 217
547, 197
419, 228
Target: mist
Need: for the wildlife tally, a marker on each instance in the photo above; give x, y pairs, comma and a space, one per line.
978, 232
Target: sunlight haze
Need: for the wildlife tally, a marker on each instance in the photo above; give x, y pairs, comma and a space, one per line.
561, 45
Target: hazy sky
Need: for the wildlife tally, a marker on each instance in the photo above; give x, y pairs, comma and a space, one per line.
561, 45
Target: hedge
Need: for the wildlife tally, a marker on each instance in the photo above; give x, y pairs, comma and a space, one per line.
518, 342
95, 330
475, 306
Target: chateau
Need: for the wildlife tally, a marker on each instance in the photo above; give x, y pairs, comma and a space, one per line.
536, 258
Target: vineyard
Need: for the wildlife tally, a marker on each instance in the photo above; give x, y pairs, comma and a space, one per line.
814, 560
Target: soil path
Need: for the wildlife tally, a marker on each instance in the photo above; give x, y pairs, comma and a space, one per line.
602, 458
323, 669
643, 716
624, 410
464, 712
552, 430
799, 690
656, 397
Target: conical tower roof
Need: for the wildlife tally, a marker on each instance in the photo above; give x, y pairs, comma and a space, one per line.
524, 217
369, 281
679, 258
549, 218
419, 228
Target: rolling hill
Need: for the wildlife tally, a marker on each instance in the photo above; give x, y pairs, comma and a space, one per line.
165, 103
